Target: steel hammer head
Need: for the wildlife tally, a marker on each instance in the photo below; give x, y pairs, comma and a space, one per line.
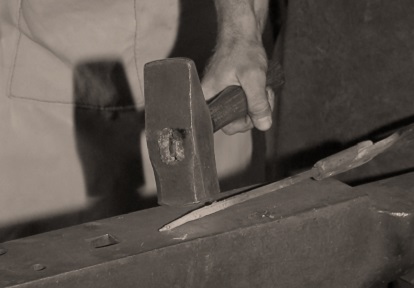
179, 133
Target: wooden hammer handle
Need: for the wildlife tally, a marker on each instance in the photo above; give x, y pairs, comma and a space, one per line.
231, 103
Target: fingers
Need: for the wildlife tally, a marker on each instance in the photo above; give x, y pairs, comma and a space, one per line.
254, 85
238, 126
245, 124
246, 65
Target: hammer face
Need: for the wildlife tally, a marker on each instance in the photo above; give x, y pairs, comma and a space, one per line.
179, 133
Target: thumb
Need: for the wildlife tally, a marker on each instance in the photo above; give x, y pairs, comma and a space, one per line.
259, 107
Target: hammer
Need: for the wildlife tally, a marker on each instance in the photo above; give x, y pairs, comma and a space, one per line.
179, 127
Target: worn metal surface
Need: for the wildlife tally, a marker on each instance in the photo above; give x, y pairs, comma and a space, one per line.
315, 234
179, 133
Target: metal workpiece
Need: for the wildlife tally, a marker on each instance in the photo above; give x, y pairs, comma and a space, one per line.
312, 234
337, 163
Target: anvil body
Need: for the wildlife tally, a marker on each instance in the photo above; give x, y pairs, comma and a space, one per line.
313, 234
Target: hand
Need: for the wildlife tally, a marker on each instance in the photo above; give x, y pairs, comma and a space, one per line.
240, 59
242, 63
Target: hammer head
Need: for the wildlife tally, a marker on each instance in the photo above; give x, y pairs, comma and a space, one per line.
179, 133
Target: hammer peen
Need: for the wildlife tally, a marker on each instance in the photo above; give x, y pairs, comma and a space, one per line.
179, 128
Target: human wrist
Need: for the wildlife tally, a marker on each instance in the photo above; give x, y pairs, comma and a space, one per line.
240, 21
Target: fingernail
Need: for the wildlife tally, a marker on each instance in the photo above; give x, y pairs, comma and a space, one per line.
263, 123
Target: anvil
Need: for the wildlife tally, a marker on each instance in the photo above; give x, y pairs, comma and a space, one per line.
312, 234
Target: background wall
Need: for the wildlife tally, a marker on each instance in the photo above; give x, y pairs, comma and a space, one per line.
349, 69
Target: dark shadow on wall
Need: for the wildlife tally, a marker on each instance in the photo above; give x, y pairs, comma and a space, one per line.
108, 129
197, 32
107, 134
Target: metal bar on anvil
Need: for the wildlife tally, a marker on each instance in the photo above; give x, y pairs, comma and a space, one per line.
314, 234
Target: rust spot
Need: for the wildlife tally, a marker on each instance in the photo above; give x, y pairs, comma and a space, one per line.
170, 143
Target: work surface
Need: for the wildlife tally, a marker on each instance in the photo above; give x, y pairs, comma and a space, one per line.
315, 234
